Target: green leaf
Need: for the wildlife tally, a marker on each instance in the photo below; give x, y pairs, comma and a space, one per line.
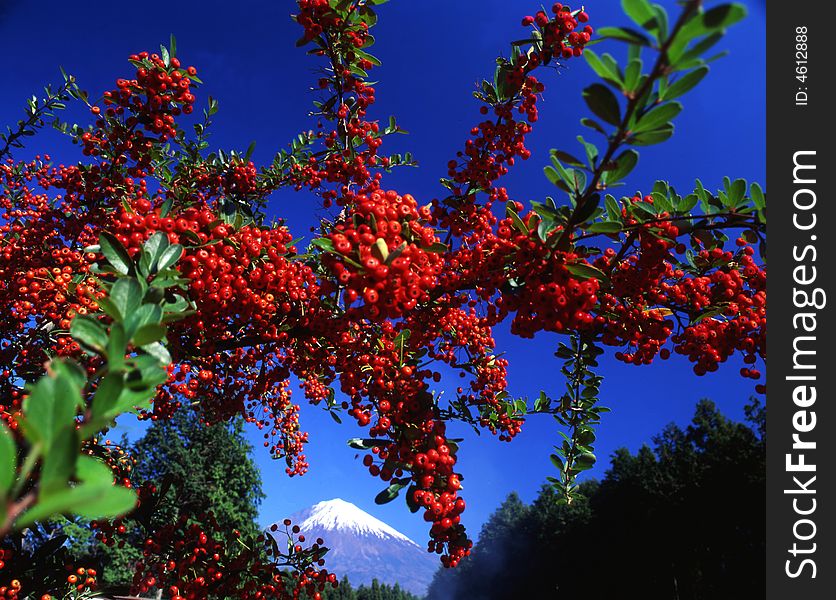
436, 248
323, 244
652, 137
8, 460
158, 351
169, 256
586, 271
640, 11
367, 443
390, 493
593, 124
591, 151
613, 208
603, 103
601, 68
414, 507
115, 253
687, 204
680, 62
568, 158
515, 218
758, 198
605, 227
722, 17
657, 117
624, 34
152, 332
737, 191
661, 25
96, 497
107, 395
632, 74
155, 245
50, 407
584, 461
59, 460
624, 165
714, 21
89, 332
126, 295
684, 83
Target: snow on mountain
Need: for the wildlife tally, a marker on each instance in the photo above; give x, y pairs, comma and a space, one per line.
365, 548
337, 514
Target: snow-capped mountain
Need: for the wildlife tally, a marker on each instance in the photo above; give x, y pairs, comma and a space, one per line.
364, 547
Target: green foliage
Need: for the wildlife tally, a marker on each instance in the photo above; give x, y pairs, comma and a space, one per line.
633, 105
65, 407
683, 519
205, 468
374, 591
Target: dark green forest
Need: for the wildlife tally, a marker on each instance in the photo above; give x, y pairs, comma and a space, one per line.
202, 468
375, 591
683, 519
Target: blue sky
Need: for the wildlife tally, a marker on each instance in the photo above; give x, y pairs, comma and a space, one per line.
433, 54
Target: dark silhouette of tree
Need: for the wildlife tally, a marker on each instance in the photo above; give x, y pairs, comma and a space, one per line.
683, 521
375, 591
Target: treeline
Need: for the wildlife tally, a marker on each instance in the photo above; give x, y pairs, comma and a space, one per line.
375, 591
683, 520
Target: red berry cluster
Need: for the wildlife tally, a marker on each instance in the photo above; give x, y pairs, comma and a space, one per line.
380, 255
560, 38
158, 94
723, 296
495, 144
194, 561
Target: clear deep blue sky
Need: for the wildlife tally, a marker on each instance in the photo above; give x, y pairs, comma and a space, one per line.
433, 53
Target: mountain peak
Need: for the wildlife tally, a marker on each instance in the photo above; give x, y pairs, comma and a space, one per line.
337, 514
365, 548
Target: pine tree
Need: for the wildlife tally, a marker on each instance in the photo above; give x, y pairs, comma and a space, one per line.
210, 468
